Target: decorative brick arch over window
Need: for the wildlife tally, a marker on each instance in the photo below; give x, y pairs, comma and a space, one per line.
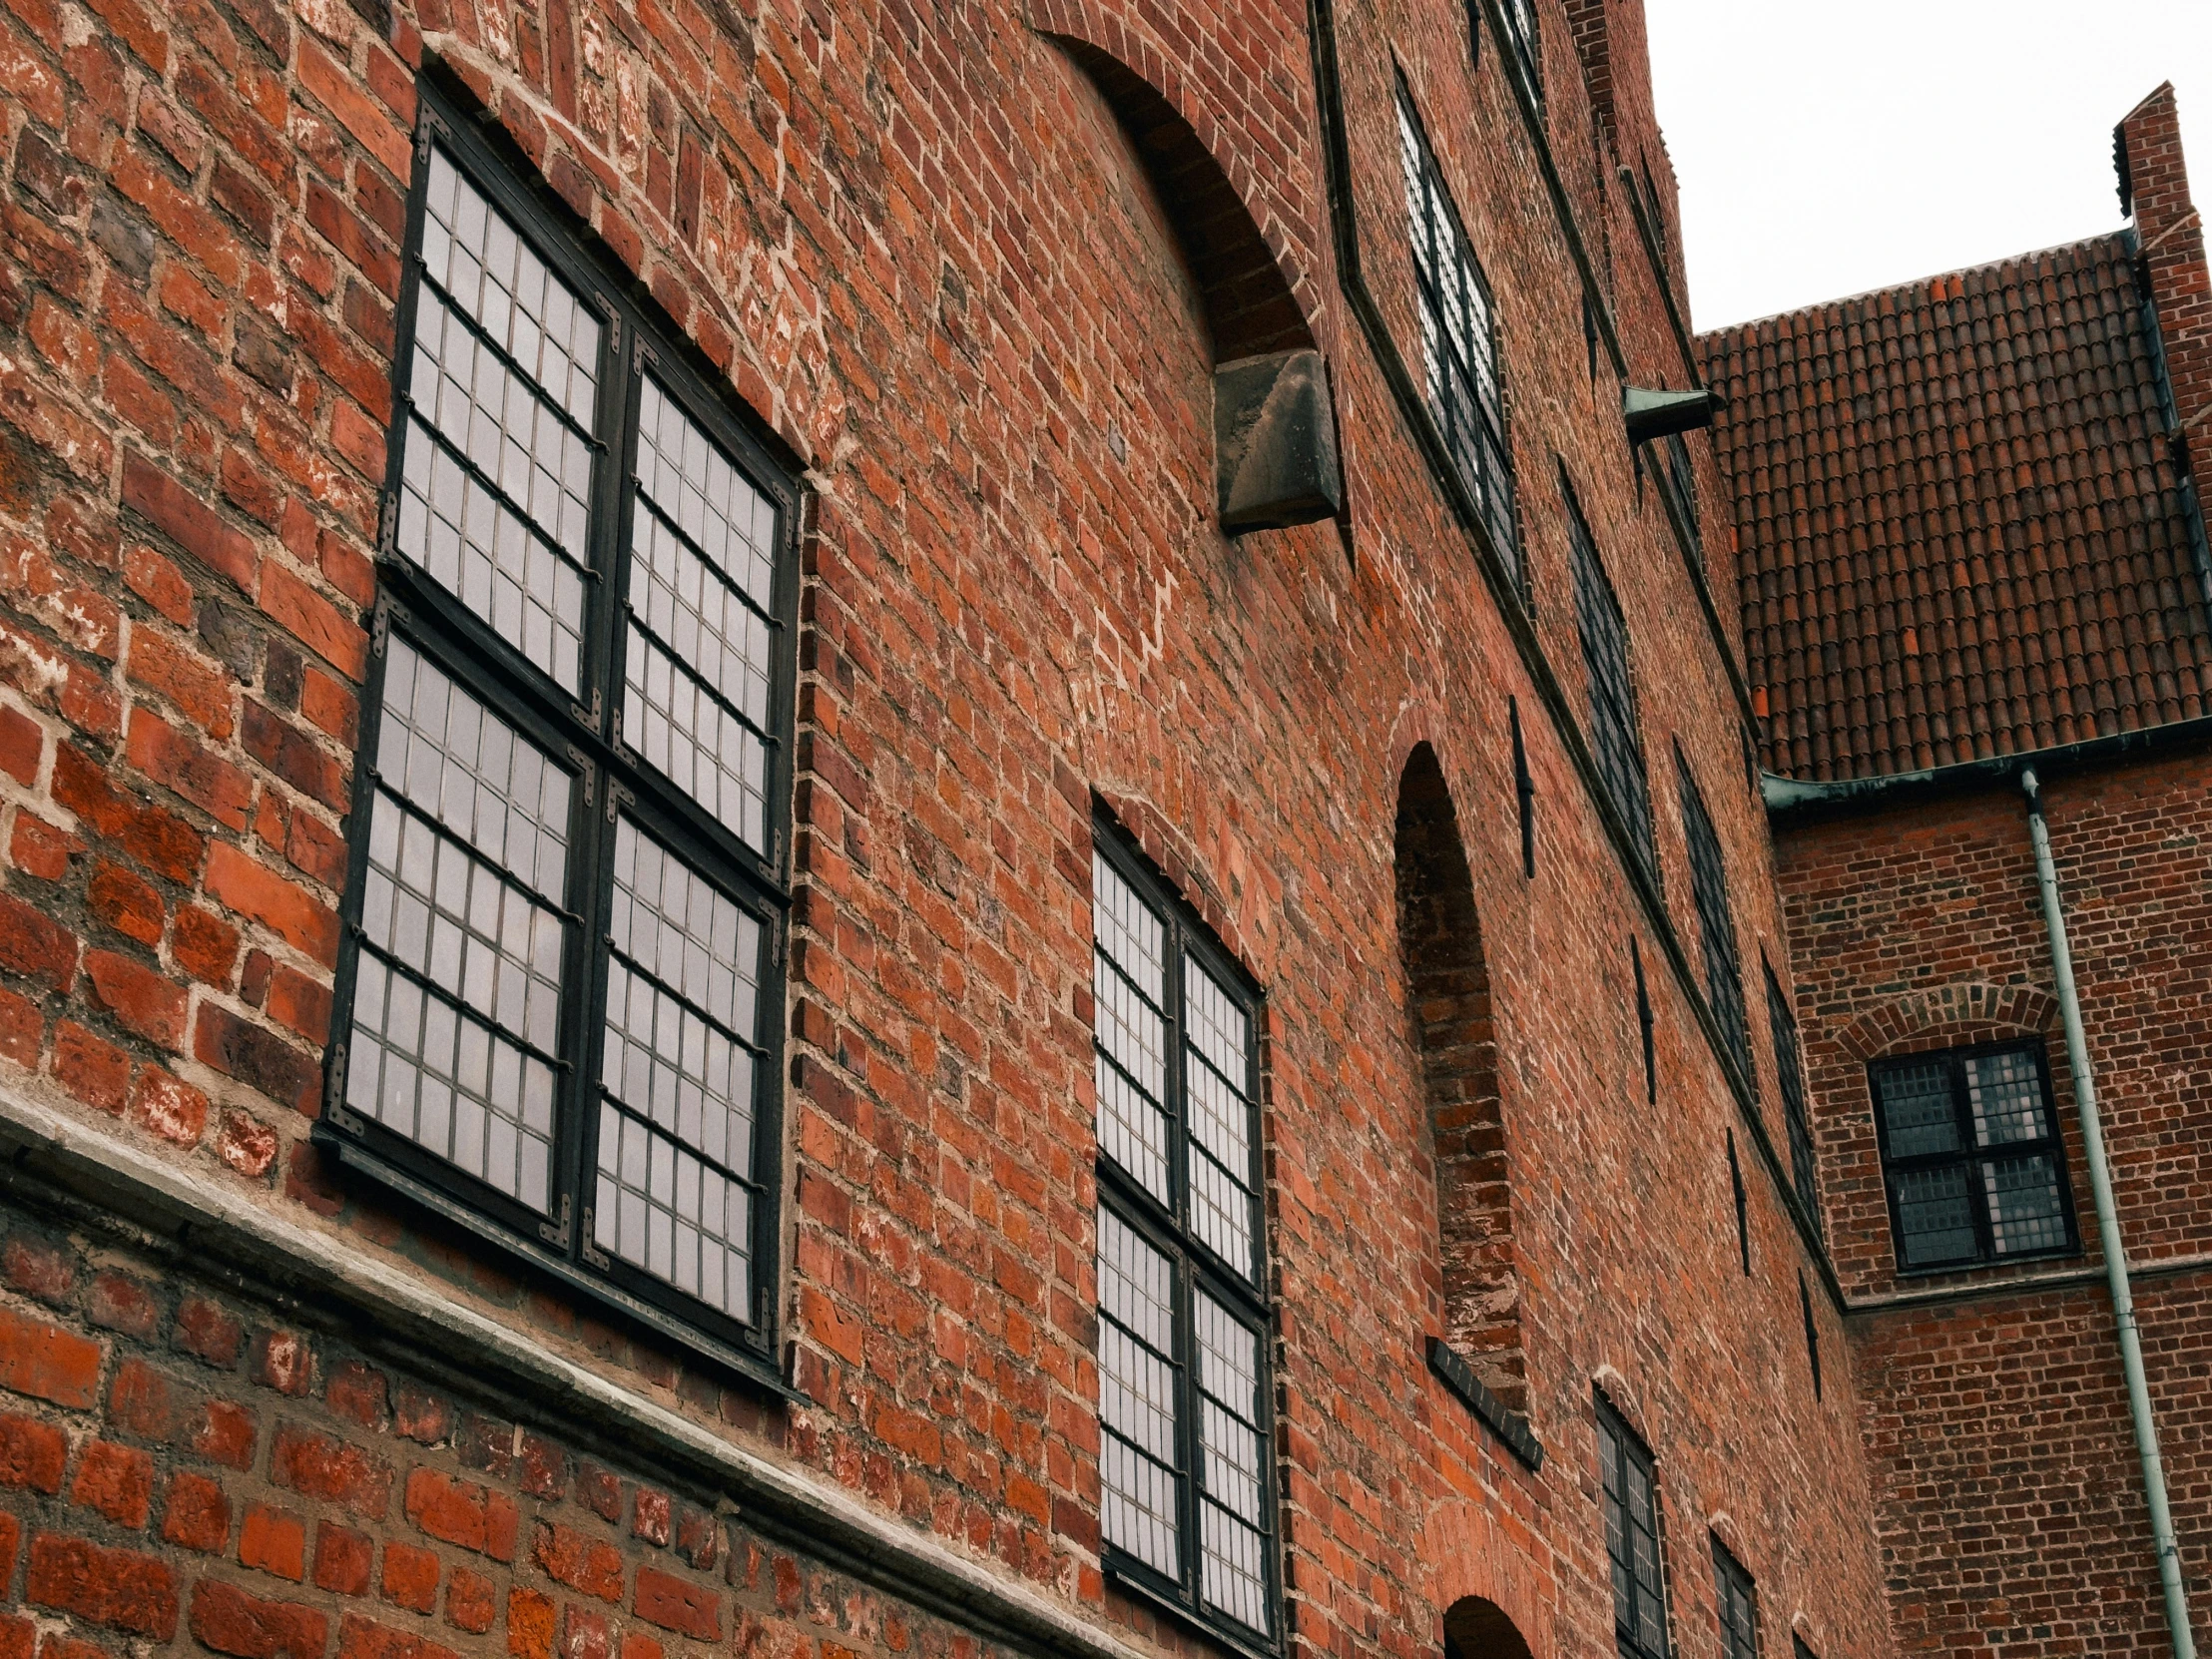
1949, 1015
1448, 990
1479, 1629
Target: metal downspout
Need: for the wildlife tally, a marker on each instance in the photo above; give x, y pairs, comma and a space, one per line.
2108, 1233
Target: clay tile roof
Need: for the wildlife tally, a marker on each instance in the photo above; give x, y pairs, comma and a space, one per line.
1960, 529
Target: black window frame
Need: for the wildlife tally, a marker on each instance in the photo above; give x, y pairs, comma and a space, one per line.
1716, 920
578, 729
2052, 1144
1736, 1601
1616, 731
1482, 460
1524, 43
1630, 1592
1789, 1068
1195, 1265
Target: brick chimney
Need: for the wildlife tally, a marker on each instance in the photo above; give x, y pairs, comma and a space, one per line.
2154, 188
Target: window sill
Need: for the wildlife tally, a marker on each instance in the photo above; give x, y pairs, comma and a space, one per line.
1507, 1424
1196, 1623
751, 1368
1989, 1265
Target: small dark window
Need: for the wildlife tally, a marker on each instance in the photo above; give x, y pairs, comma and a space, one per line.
1970, 1152
1678, 483
1790, 1068
1614, 738
1632, 1540
1186, 1463
1716, 922
1743, 1203
1798, 1649
1739, 1606
561, 994
1524, 789
1645, 1022
1458, 339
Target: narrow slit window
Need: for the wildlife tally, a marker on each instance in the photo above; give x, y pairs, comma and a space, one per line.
1524, 789
1972, 1157
1742, 1201
1185, 1391
560, 992
1812, 1331
1646, 1023
1458, 340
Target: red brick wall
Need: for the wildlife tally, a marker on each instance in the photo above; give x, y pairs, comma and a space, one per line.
2171, 238
2008, 1501
921, 252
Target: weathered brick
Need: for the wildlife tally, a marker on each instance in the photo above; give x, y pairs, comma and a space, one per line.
334, 1470
577, 1559
289, 911
140, 998
231, 1621
257, 1056
676, 1604
410, 1577
119, 1588
117, 1480
188, 521
46, 1361
274, 1541
198, 1516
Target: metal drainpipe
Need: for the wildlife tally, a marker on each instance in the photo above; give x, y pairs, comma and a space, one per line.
2108, 1233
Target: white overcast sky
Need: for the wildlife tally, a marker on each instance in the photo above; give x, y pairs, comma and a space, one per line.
1828, 147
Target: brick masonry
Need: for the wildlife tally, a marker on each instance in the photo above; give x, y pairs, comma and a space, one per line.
918, 249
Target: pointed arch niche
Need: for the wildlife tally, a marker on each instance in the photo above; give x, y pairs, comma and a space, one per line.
1449, 990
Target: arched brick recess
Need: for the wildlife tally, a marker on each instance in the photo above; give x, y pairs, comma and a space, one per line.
1487, 1584
1245, 266
1964, 1013
1448, 996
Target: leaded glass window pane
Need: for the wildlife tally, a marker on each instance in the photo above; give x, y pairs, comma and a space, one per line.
1458, 339
697, 670
1724, 979
1739, 1606
1631, 1500
1970, 1147
496, 470
1183, 1382
457, 999
1614, 738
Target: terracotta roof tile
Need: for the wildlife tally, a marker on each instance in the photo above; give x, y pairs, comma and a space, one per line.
1959, 527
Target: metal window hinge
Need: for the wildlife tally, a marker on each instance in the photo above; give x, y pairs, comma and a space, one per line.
387, 526
617, 797
334, 1094
428, 127
583, 770
591, 1253
617, 733
379, 628
775, 946
776, 853
556, 1233
589, 717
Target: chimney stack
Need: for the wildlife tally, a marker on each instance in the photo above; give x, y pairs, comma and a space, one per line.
2154, 188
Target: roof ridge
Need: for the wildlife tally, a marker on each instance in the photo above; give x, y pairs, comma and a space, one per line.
2117, 234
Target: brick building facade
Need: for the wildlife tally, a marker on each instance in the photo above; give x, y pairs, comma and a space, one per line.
1970, 548
687, 959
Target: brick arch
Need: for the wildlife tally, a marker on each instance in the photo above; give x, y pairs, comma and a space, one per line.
1245, 274
1447, 992
1964, 1013
1487, 1584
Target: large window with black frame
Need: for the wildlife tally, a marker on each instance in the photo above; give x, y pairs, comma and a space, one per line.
1789, 1066
1614, 737
1459, 339
1630, 1491
559, 997
1738, 1601
1972, 1156
1522, 43
1716, 920
1185, 1460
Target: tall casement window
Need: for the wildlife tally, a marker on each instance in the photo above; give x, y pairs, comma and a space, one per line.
560, 995
1739, 1606
1970, 1152
1789, 1066
1678, 483
1716, 920
1613, 733
1459, 339
1184, 1392
1632, 1545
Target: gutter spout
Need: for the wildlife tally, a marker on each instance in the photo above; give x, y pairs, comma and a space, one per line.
2108, 1231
